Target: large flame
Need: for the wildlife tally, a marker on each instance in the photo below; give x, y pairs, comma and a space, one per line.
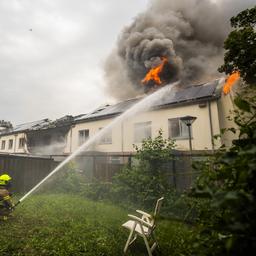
231, 81
153, 73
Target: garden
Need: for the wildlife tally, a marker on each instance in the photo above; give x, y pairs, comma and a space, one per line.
62, 224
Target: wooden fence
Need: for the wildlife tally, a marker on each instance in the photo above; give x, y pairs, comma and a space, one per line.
27, 171
178, 171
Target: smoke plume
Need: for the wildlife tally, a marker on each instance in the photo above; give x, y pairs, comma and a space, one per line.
189, 33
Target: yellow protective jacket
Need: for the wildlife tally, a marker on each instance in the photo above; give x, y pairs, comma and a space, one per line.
5, 198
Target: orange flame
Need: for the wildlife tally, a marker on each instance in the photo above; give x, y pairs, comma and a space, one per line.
231, 81
153, 73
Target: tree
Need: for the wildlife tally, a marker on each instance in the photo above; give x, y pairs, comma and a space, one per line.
144, 181
228, 224
240, 46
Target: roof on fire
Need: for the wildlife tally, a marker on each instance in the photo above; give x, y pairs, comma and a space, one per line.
190, 95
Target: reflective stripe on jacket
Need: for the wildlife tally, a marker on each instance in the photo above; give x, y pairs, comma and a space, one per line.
5, 197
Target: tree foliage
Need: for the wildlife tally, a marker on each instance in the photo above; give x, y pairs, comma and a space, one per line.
228, 223
240, 46
228, 181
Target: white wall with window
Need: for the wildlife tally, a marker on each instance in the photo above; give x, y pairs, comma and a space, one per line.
13, 143
160, 119
143, 125
111, 141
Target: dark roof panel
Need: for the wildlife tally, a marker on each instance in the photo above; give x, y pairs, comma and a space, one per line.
189, 94
110, 110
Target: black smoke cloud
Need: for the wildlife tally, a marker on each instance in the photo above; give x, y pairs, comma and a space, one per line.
190, 33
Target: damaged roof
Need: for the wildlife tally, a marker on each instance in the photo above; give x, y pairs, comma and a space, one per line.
27, 126
191, 94
188, 95
39, 125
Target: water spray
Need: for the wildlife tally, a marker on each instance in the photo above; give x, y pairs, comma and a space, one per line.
144, 104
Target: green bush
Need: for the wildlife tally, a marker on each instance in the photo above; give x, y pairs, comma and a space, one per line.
96, 190
67, 180
144, 181
228, 182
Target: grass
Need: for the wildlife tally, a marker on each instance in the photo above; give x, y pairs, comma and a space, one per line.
62, 224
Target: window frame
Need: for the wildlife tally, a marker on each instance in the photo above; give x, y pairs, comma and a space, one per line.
83, 139
3, 144
181, 125
137, 138
21, 143
10, 144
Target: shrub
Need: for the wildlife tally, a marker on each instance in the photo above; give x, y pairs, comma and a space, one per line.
228, 182
144, 181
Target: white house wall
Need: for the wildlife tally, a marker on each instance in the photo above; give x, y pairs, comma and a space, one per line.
201, 133
225, 108
123, 133
15, 148
93, 127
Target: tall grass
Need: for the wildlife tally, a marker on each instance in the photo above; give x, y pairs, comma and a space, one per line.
62, 224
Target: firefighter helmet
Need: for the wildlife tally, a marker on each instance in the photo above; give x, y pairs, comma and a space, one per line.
5, 179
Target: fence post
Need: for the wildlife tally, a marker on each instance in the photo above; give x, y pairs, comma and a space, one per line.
174, 173
130, 161
93, 167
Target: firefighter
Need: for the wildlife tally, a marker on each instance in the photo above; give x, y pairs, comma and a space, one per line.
6, 204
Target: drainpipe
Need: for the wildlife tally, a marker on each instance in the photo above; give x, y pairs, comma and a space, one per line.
122, 137
70, 146
15, 138
210, 120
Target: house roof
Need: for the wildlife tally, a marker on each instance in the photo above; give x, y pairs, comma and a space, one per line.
191, 94
39, 125
108, 110
26, 126
188, 95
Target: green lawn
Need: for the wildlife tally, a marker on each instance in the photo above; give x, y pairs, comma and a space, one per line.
61, 224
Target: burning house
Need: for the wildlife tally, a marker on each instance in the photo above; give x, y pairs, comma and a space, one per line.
210, 103
43, 137
172, 41
206, 102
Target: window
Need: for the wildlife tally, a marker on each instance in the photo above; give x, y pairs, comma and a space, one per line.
10, 144
106, 137
142, 131
177, 129
21, 142
3, 144
83, 135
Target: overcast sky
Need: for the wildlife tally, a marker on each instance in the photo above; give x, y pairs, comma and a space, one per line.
52, 54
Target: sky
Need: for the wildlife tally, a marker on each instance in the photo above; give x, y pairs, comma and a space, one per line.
52, 55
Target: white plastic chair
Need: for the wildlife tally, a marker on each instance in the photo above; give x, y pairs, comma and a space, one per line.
143, 226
